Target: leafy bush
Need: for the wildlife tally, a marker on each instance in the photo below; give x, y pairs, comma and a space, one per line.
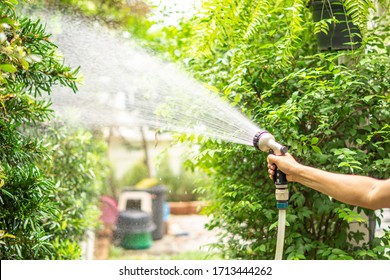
181, 186
330, 109
121, 14
134, 174
79, 168
48, 178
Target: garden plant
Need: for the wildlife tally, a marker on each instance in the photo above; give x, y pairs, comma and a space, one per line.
50, 177
330, 108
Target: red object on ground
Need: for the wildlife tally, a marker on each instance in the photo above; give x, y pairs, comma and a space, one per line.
109, 210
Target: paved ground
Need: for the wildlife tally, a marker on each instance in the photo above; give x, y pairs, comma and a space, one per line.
186, 233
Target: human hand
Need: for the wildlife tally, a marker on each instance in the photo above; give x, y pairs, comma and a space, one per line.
286, 163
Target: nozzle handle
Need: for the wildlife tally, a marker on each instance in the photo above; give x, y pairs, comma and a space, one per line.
281, 190
279, 176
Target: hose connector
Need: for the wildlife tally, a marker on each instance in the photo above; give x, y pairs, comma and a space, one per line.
282, 196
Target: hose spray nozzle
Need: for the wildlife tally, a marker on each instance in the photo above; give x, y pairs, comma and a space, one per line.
265, 141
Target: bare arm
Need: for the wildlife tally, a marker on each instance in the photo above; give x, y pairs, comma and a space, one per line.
352, 189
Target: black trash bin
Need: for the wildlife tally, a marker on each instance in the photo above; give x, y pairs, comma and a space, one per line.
158, 200
158, 194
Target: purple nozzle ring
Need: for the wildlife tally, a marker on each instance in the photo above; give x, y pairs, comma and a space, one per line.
257, 137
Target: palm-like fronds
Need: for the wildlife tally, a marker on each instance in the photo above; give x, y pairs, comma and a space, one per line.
358, 10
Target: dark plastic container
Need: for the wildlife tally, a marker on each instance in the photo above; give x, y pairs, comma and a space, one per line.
158, 200
158, 194
343, 35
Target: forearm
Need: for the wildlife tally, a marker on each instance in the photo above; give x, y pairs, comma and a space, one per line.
350, 189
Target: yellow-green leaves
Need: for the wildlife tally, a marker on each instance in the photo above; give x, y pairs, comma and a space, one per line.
2, 177
359, 11
8, 68
3, 235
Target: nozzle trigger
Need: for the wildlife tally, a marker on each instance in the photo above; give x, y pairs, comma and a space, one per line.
279, 176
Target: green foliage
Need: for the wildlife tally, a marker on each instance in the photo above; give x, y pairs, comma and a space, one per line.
48, 179
66, 249
79, 168
134, 175
253, 20
29, 61
129, 16
24, 195
359, 12
329, 115
181, 186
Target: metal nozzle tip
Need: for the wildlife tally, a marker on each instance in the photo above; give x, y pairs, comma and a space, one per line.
283, 150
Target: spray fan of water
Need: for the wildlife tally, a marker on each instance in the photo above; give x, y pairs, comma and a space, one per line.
126, 86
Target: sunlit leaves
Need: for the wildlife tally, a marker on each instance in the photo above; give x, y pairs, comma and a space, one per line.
359, 11
8, 68
349, 215
330, 109
322, 26
29, 67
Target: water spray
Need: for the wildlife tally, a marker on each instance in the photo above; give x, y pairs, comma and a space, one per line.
265, 141
127, 87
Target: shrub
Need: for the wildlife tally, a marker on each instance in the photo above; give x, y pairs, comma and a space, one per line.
134, 174
79, 168
181, 186
48, 178
331, 114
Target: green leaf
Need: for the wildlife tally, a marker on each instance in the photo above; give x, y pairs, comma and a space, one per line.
7, 20
338, 252
7, 193
3, 234
237, 98
314, 140
24, 63
274, 225
316, 149
336, 71
8, 68
368, 98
